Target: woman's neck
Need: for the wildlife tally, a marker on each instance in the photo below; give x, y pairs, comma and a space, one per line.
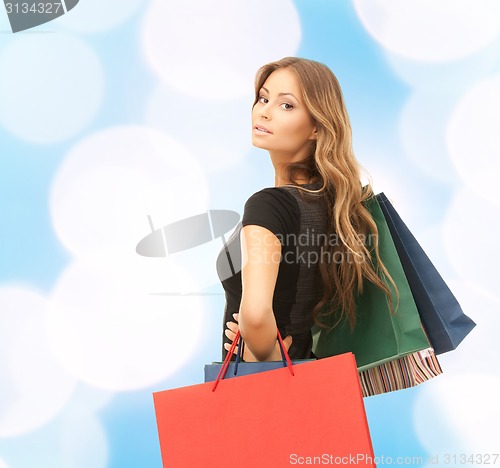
280, 162
279, 181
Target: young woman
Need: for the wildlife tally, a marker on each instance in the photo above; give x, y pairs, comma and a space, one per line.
301, 247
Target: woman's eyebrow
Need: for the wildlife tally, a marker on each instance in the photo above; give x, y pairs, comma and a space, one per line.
280, 94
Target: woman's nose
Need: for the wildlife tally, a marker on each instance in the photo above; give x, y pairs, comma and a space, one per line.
264, 113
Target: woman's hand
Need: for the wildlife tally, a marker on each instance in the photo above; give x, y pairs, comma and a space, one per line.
232, 329
230, 332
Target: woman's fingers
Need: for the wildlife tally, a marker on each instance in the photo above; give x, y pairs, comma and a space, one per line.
227, 347
288, 342
230, 334
232, 326
232, 329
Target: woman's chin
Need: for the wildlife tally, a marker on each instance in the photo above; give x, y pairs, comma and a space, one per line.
259, 144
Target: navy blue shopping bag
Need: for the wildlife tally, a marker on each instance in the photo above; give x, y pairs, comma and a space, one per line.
442, 317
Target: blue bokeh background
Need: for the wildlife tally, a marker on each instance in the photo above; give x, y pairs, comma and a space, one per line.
150, 100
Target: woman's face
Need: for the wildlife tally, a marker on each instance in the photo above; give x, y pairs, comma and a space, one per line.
281, 123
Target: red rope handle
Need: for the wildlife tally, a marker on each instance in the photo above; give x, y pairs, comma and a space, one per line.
225, 364
285, 352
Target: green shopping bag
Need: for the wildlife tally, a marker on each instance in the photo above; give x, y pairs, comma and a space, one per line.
378, 336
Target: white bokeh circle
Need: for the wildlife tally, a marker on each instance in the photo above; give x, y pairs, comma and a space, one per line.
110, 183
449, 77
393, 180
212, 49
222, 128
110, 333
458, 414
95, 16
470, 230
422, 128
478, 350
431, 31
34, 386
89, 399
473, 138
51, 87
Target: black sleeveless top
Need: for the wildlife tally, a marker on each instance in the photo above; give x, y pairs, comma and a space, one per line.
299, 221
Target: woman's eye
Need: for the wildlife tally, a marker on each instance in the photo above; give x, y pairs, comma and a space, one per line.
263, 100
287, 106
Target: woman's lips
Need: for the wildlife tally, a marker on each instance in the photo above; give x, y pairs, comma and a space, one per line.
261, 129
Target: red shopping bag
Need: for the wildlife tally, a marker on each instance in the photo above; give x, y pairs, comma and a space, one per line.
309, 414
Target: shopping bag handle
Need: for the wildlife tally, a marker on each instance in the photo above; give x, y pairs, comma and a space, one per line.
240, 352
225, 364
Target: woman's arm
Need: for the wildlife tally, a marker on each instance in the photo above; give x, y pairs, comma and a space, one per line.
232, 329
261, 254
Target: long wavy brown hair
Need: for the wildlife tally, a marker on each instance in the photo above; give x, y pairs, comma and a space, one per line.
333, 164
